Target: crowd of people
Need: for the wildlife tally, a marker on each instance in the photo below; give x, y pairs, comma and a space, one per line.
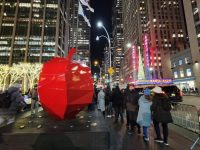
190, 90
12, 102
142, 109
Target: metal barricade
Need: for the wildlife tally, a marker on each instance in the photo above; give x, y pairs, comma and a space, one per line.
187, 116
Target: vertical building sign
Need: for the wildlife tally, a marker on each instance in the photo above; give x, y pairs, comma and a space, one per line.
152, 50
134, 62
146, 58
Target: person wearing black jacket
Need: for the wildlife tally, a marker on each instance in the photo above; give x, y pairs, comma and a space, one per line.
108, 103
117, 99
131, 98
161, 114
127, 115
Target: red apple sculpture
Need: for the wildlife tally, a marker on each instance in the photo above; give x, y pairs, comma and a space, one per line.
65, 87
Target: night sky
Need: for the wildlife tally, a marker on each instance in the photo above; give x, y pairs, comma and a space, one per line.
103, 12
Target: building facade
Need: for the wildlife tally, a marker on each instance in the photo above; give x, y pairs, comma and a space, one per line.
79, 33
135, 19
192, 17
182, 68
156, 28
118, 39
167, 34
33, 30
106, 64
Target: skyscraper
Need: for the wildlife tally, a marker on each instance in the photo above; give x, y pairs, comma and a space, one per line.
106, 64
135, 19
166, 33
157, 29
80, 33
33, 30
192, 17
118, 39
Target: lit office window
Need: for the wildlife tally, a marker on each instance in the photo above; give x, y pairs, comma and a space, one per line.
187, 60
174, 64
189, 72
175, 75
182, 74
180, 62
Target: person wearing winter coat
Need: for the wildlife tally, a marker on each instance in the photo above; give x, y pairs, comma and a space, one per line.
160, 108
131, 98
124, 97
144, 113
16, 104
117, 99
34, 101
101, 101
108, 102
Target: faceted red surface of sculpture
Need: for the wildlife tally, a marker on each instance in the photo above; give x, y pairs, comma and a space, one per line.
65, 87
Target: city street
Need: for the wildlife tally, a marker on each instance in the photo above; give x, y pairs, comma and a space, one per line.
191, 100
68, 68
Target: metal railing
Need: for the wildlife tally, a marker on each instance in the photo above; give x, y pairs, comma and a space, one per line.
187, 116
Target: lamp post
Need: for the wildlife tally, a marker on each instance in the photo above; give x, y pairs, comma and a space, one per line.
100, 25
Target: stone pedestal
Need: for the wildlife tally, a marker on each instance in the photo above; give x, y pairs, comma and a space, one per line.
88, 131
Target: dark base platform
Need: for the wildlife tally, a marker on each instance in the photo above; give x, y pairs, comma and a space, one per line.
88, 131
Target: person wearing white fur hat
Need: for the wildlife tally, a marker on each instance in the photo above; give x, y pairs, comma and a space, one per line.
160, 108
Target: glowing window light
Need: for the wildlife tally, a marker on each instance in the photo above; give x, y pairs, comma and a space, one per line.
175, 75
182, 74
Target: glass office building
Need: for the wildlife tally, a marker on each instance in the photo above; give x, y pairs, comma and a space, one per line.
80, 33
33, 30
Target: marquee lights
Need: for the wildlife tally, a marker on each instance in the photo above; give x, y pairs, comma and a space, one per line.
153, 82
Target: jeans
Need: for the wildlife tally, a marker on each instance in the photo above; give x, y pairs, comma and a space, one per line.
34, 106
145, 131
165, 130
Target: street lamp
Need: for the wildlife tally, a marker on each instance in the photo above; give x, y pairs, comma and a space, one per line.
100, 25
101, 36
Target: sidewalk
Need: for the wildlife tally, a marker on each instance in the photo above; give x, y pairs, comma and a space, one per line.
179, 138
120, 140
191, 95
24, 114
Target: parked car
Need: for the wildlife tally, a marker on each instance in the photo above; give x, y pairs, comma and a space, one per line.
172, 91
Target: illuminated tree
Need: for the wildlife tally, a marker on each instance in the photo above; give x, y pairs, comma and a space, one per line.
33, 73
141, 75
4, 73
24, 73
16, 73
29, 74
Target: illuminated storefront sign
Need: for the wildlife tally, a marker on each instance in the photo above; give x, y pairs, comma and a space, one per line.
154, 82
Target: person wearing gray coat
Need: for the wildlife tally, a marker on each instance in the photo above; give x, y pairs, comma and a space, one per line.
101, 101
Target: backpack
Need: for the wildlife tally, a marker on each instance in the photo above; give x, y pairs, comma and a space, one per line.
5, 100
